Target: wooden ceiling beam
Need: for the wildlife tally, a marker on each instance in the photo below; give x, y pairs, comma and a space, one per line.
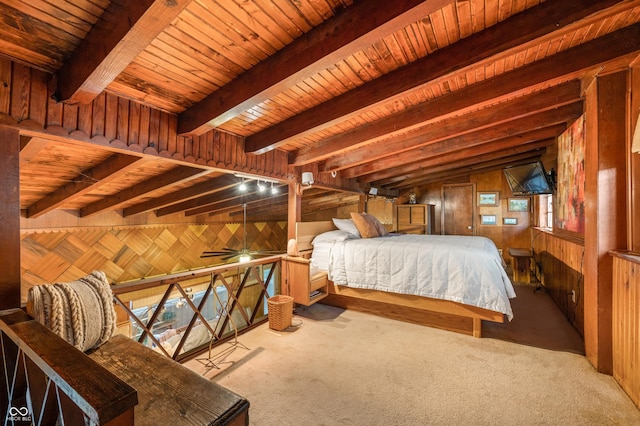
502, 147
449, 150
224, 203
539, 109
230, 192
107, 171
465, 169
178, 175
350, 31
216, 184
125, 29
523, 28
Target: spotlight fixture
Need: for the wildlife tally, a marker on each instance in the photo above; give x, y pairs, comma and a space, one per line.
261, 187
243, 186
274, 190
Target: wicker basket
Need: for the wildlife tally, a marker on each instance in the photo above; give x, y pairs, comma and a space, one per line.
280, 311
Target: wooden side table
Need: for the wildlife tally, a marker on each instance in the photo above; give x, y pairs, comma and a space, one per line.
521, 264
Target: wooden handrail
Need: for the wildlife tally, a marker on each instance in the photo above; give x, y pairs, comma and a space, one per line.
145, 283
74, 385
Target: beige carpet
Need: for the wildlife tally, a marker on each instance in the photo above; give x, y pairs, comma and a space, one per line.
348, 368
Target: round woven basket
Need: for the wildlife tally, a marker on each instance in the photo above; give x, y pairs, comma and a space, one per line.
280, 312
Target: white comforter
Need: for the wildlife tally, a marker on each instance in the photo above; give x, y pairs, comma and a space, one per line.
468, 270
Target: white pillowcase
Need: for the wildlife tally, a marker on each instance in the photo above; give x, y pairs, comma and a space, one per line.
333, 237
346, 225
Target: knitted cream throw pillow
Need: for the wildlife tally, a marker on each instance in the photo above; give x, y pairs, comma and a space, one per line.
81, 312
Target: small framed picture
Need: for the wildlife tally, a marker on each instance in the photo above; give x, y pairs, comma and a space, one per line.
518, 205
488, 199
510, 220
488, 219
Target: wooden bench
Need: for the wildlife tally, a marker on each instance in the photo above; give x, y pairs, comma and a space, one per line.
521, 264
168, 392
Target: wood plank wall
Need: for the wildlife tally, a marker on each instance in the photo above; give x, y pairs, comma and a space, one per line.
626, 323
26, 102
128, 253
560, 267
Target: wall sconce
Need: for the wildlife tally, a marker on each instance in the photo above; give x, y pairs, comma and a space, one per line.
306, 182
307, 178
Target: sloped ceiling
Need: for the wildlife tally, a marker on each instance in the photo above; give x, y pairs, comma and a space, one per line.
392, 94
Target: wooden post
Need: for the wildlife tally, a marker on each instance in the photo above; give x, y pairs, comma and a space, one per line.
295, 209
606, 208
10, 218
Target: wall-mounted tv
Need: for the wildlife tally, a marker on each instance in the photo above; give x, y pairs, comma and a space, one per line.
528, 179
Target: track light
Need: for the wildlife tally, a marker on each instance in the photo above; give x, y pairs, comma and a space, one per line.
274, 190
243, 186
261, 187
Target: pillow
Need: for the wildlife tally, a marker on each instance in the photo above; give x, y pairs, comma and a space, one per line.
366, 227
332, 237
346, 225
382, 231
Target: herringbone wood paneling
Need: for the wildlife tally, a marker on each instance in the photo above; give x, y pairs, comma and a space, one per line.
131, 253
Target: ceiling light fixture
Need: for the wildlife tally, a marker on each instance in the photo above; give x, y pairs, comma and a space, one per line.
243, 186
274, 190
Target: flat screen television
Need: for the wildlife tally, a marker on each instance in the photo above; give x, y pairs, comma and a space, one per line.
528, 179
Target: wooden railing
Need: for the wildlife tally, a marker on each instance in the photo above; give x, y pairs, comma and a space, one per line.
46, 381
626, 323
182, 314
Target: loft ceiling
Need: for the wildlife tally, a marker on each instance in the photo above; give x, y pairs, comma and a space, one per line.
392, 94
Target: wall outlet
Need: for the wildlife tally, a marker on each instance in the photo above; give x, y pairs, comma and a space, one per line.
573, 296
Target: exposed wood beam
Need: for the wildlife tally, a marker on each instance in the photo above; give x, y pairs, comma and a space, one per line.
455, 149
520, 29
505, 147
172, 177
557, 101
224, 203
125, 29
10, 218
351, 30
216, 184
107, 171
461, 170
230, 193
562, 66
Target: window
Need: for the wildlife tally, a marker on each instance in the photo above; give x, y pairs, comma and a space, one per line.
545, 218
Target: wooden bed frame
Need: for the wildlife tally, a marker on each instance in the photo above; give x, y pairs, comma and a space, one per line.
436, 313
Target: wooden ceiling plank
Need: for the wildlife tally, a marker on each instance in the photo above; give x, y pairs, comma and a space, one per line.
349, 31
172, 177
554, 100
123, 31
216, 184
105, 172
523, 28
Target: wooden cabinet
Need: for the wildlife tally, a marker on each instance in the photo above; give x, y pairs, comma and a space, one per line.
306, 289
415, 218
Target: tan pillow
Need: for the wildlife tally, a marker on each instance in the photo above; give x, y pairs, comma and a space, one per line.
382, 231
366, 227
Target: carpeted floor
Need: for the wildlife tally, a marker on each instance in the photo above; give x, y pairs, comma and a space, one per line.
341, 367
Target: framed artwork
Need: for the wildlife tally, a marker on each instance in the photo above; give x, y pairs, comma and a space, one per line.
488, 199
518, 205
488, 219
571, 179
510, 221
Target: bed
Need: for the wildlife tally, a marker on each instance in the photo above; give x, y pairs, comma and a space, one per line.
457, 282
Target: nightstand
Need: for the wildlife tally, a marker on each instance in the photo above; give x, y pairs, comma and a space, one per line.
304, 288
